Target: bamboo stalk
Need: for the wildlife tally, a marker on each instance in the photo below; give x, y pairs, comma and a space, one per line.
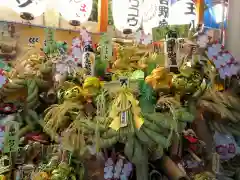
176, 148
142, 168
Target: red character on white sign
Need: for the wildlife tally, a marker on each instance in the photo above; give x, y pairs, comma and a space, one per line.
83, 8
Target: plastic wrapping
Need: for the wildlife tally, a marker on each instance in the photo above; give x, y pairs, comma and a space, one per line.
226, 145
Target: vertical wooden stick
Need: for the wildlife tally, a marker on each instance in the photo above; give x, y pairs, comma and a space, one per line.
102, 15
200, 11
142, 169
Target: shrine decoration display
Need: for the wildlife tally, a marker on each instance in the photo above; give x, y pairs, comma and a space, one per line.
66, 105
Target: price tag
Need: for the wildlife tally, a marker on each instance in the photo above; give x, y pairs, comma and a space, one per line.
106, 47
124, 118
171, 55
124, 82
11, 140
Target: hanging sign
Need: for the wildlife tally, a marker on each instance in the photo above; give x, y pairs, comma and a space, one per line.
75, 10
134, 14
35, 8
182, 12
150, 15
106, 47
127, 14
155, 14
163, 13
11, 140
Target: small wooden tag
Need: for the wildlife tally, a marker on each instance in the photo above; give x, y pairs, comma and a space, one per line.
215, 162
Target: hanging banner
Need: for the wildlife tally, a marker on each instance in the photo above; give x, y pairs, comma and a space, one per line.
163, 13
155, 14
34, 8
127, 15
182, 12
75, 11
11, 140
106, 47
